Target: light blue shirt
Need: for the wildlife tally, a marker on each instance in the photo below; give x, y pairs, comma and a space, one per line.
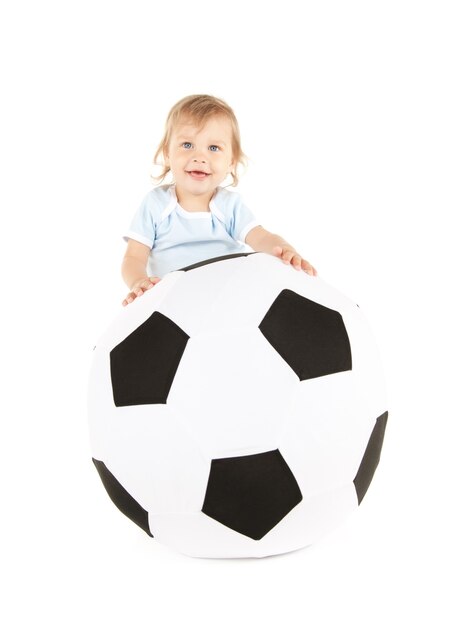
178, 238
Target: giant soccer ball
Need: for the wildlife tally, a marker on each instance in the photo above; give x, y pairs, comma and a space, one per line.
237, 408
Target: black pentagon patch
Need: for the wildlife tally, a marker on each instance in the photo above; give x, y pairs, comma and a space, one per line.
122, 499
370, 458
144, 364
251, 494
310, 337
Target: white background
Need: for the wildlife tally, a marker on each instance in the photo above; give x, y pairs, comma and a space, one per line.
348, 113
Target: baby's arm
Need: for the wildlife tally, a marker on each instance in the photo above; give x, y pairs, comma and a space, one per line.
134, 270
262, 240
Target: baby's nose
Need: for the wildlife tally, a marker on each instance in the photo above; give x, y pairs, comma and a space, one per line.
200, 160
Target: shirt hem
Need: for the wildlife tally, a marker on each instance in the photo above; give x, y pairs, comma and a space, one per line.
246, 230
132, 235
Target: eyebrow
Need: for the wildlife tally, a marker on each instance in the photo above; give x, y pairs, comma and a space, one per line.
218, 142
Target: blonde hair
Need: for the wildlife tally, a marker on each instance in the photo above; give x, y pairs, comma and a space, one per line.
199, 108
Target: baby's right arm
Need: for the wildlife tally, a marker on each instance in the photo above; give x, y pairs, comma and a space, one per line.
134, 271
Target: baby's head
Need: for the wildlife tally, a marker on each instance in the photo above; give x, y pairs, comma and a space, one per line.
197, 110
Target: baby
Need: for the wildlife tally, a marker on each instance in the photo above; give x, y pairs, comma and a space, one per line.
194, 218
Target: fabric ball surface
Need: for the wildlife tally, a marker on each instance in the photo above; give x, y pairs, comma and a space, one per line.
237, 409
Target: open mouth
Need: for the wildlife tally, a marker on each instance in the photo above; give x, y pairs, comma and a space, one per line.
197, 174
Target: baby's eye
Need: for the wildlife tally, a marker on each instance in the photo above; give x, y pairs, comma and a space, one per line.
214, 148
187, 145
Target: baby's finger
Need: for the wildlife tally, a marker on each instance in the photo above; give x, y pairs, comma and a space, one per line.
277, 251
149, 282
308, 268
297, 262
138, 291
287, 256
128, 299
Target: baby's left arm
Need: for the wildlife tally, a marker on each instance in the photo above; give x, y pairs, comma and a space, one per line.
262, 240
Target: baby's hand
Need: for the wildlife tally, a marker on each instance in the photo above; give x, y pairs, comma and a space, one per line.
139, 288
291, 257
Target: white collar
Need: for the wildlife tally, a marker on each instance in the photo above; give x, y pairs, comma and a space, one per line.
173, 203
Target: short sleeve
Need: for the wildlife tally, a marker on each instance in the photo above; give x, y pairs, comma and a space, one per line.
242, 220
143, 225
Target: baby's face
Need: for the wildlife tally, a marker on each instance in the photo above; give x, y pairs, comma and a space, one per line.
200, 158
